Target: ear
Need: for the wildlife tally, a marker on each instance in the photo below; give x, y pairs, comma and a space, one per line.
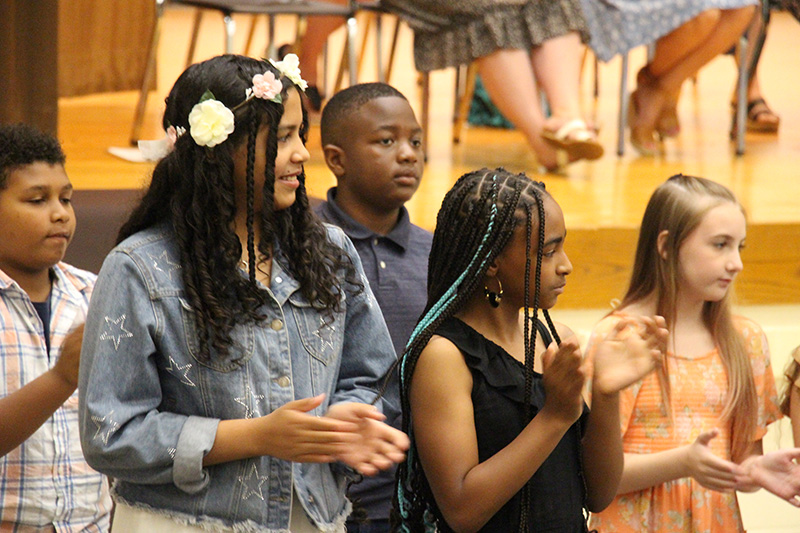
335, 158
493, 269
661, 244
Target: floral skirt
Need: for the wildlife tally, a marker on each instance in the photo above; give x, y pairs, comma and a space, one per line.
449, 33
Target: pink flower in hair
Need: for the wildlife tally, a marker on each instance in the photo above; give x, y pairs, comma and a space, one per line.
267, 87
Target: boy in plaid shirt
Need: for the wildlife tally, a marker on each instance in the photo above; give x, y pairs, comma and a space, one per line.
45, 483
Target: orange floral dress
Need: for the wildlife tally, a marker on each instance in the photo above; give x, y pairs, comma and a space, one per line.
698, 389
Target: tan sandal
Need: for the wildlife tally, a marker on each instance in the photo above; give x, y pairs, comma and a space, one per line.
576, 140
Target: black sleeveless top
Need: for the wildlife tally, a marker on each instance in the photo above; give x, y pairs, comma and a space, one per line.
557, 488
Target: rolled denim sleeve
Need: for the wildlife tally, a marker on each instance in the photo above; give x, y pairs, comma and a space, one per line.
124, 434
195, 441
367, 350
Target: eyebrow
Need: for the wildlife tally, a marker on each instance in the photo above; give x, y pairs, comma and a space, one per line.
726, 236
45, 188
556, 240
393, 128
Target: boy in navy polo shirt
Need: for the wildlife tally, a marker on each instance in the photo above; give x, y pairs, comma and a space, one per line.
373, 145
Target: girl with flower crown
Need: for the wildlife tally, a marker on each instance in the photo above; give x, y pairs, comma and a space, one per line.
233, 346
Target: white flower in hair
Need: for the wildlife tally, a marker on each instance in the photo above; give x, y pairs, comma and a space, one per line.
290, 67
210, 122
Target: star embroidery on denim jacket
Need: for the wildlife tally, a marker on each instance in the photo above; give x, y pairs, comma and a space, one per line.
180, 372
252, 483
324, 333
172, 452
115, 331
105, 427
163, 263
248, 400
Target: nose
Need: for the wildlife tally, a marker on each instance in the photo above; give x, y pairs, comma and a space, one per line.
408, 152
61, 211
300, 153
735, 262
565, 267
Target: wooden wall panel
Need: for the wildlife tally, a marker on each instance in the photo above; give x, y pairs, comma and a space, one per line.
102, 44
602, 260
28, 49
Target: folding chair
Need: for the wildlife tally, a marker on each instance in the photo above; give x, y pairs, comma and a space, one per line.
228, 8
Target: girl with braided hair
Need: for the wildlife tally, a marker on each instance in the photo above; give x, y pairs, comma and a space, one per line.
226, 318
492, 400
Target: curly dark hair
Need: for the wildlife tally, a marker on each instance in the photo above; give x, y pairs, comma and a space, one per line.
21, 145
476, 222
192, 190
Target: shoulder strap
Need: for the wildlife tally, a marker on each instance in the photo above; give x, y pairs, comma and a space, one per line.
544, 333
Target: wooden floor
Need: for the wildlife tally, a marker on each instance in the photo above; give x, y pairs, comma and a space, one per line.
603, 201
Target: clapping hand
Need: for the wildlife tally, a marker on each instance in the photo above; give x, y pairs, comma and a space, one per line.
68, 363
778, 472
564, 375
377, 445
706, 468
633, 349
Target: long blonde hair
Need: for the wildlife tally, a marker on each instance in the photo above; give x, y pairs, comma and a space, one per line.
676, 207
792, 374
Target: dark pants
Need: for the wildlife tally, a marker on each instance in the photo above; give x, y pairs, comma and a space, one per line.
371, 526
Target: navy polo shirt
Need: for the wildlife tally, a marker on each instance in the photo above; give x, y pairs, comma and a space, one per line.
396, 266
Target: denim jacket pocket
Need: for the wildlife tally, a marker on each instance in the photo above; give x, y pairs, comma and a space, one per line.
240, 352
320, 331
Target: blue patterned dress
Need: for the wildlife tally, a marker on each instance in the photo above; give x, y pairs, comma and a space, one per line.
616, 26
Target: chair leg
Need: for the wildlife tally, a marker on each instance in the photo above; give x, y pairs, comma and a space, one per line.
464, 100
379, 47
746, 71
270, 50
230, 31
351, 29
741, 95
363, 46
392, 50
251, 34
622, 117
352, 35
149, 74
198, 18
424, 81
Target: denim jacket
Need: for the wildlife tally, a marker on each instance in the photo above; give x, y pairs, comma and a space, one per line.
150, 409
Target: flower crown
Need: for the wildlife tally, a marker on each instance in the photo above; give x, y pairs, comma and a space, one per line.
211, 122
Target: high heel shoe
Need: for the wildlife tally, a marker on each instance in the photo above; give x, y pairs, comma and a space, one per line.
668, 125
642, 138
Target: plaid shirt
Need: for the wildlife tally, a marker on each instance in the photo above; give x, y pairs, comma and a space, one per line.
45, 484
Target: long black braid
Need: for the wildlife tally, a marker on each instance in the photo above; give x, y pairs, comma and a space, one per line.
192, 194
477, 220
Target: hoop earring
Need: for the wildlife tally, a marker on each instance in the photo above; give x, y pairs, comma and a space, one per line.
494, 297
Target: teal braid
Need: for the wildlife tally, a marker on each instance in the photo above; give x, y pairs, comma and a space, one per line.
450, 294
433, 313
475, 223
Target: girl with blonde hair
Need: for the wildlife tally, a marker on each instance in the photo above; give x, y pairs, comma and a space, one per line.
692, 430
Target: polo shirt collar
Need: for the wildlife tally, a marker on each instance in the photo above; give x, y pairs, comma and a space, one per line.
400, 234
